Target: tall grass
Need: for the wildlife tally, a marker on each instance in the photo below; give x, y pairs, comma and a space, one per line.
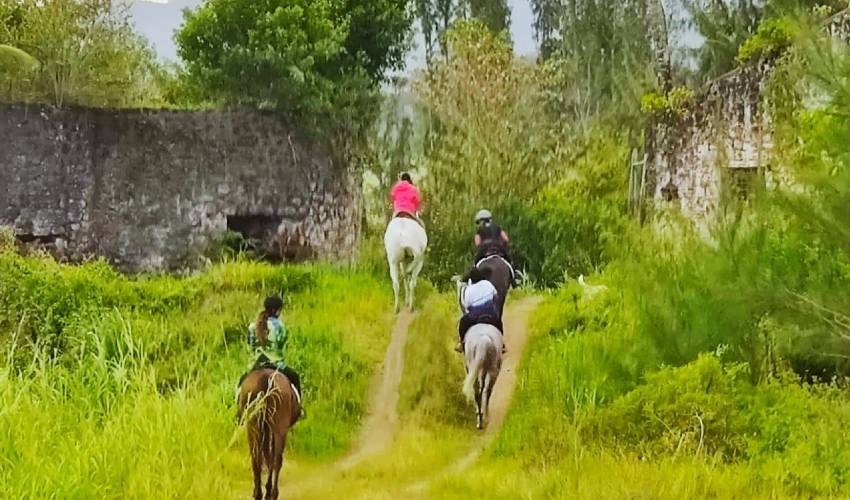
595, 395
124, 387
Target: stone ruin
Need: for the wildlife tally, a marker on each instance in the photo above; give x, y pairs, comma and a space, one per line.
152, 190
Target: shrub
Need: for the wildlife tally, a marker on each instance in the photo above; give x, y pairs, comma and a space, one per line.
772, 36
675, 103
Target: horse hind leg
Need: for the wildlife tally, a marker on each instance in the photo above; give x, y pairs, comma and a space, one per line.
394, 276
280, 446
412, 274
479, 412
486, 391
255, 442
272, 488
268, 454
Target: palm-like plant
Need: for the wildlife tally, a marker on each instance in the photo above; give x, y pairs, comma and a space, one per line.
13, 59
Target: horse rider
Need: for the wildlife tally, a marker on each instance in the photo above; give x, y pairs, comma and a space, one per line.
491, 239
267, 338
406, 198
478, 300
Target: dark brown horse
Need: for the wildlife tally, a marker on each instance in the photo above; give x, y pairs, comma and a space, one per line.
500, 276
270, 408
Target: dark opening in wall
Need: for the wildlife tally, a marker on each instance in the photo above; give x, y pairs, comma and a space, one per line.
267, 238
743, 183
257, 232
670, 192
53, 244
28, 238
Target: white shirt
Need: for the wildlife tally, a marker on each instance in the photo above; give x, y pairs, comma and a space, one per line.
478, 294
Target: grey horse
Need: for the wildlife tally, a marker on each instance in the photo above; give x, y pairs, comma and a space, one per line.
483, 361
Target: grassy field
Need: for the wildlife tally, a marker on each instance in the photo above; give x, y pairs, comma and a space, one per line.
597, 417
117, 387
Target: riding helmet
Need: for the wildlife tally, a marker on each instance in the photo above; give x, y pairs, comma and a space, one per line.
482, 215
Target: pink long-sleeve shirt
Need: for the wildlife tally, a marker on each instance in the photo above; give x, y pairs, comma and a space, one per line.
406, 198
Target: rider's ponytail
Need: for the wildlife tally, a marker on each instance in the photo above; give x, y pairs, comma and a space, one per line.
261, 327
271, 308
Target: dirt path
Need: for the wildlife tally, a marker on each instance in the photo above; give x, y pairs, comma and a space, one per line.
516, 328
376, 433
378, 428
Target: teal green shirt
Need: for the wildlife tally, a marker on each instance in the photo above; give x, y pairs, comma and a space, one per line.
275, 348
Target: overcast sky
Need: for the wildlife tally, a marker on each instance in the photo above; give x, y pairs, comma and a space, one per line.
157, 20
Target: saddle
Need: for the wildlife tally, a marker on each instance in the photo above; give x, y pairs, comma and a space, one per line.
496, 255
408, 215
264, 363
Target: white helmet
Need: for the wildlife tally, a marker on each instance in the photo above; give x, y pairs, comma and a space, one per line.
483, 214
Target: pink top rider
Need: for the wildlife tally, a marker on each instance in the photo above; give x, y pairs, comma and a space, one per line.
405, 197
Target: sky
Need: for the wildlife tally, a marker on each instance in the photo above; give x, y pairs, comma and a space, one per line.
158, 19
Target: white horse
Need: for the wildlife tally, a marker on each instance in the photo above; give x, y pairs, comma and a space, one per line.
405, 242
483, 360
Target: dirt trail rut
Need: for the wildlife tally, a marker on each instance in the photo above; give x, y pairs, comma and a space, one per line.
376, 433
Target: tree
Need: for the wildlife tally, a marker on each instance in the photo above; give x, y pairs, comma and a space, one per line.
727, 24
87, 52
486, 106
308, 57
495, 14
547, 15
604, 57
435, 19
724, 25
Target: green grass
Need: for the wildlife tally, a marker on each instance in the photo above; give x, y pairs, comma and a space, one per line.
123, 387
597, 416
117, 386
436, 424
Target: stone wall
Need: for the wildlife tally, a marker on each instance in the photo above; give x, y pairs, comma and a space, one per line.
722, 138
151, 189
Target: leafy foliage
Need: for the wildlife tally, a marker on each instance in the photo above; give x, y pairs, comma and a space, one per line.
675, 102
574, 226
605, 58
483, 102
308, 58
724, 26
87, 52
731, 29
100, 359
771, 38
494, 13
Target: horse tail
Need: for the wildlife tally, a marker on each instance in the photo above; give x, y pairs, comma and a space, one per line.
474, 368
409, 257
253, 407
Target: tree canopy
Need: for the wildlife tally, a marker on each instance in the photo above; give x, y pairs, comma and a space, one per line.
74, 52
306, 57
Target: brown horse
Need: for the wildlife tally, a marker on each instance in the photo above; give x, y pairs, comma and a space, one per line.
271, 408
